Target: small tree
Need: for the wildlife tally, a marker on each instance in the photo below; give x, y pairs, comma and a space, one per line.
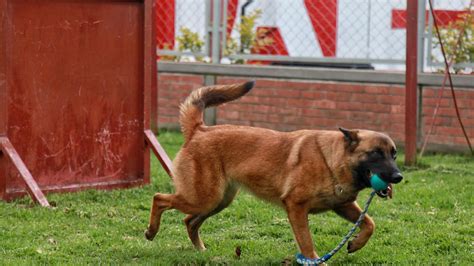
189, 41
459, 50
248, 35
247, 31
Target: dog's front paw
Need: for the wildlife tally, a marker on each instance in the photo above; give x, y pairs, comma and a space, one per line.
149, 234
354, 245
350, 247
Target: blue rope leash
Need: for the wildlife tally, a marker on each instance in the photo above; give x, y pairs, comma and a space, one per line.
306, 261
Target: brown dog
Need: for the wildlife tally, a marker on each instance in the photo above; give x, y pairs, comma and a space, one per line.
306, 171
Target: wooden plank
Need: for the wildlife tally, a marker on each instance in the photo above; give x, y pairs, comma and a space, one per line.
411, 83
3, 92
159, 152
3, 67
147, 60
32, 187
153, 67
149, 72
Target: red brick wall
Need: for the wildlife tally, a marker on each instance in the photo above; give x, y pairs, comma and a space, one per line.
446, 129
172, 90
294, 104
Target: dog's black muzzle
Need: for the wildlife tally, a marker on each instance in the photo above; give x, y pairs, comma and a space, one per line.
388, 171
396, 178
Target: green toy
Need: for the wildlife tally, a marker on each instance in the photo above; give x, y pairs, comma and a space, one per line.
377, 183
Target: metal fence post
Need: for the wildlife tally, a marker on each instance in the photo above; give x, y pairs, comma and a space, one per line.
421, 34
208, 27
214, 38
421, 64
411, 82
216, 21
223, 26
210, 114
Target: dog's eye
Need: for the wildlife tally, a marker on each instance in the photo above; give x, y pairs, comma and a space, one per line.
376, 153
394, 153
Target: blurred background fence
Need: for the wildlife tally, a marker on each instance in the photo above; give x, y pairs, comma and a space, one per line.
321, 64
335, 33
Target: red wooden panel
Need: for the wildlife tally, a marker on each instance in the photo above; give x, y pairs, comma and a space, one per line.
3, 94
3, 70
150, 79
150, 17
79, 78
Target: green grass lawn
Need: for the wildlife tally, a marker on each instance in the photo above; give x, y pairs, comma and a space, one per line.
429, 221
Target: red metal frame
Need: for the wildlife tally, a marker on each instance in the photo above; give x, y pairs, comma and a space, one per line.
411, 82
34, 145
3, 67
151, 84
32, 187
159, 151
151, 20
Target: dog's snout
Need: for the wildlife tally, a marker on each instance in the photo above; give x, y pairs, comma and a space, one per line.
396, 178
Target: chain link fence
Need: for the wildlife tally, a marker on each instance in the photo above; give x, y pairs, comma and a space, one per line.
344, 31
341, 33
181, 29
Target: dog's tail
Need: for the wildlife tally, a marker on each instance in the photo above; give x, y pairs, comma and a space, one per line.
191, 111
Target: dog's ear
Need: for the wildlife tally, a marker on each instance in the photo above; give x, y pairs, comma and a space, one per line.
351, 138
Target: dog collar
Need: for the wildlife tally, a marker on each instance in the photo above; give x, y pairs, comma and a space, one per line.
339, 189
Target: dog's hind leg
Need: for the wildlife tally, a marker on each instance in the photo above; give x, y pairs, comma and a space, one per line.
163, 202
194, 221
351, 212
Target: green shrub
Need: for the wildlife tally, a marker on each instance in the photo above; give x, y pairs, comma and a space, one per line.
458, 51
